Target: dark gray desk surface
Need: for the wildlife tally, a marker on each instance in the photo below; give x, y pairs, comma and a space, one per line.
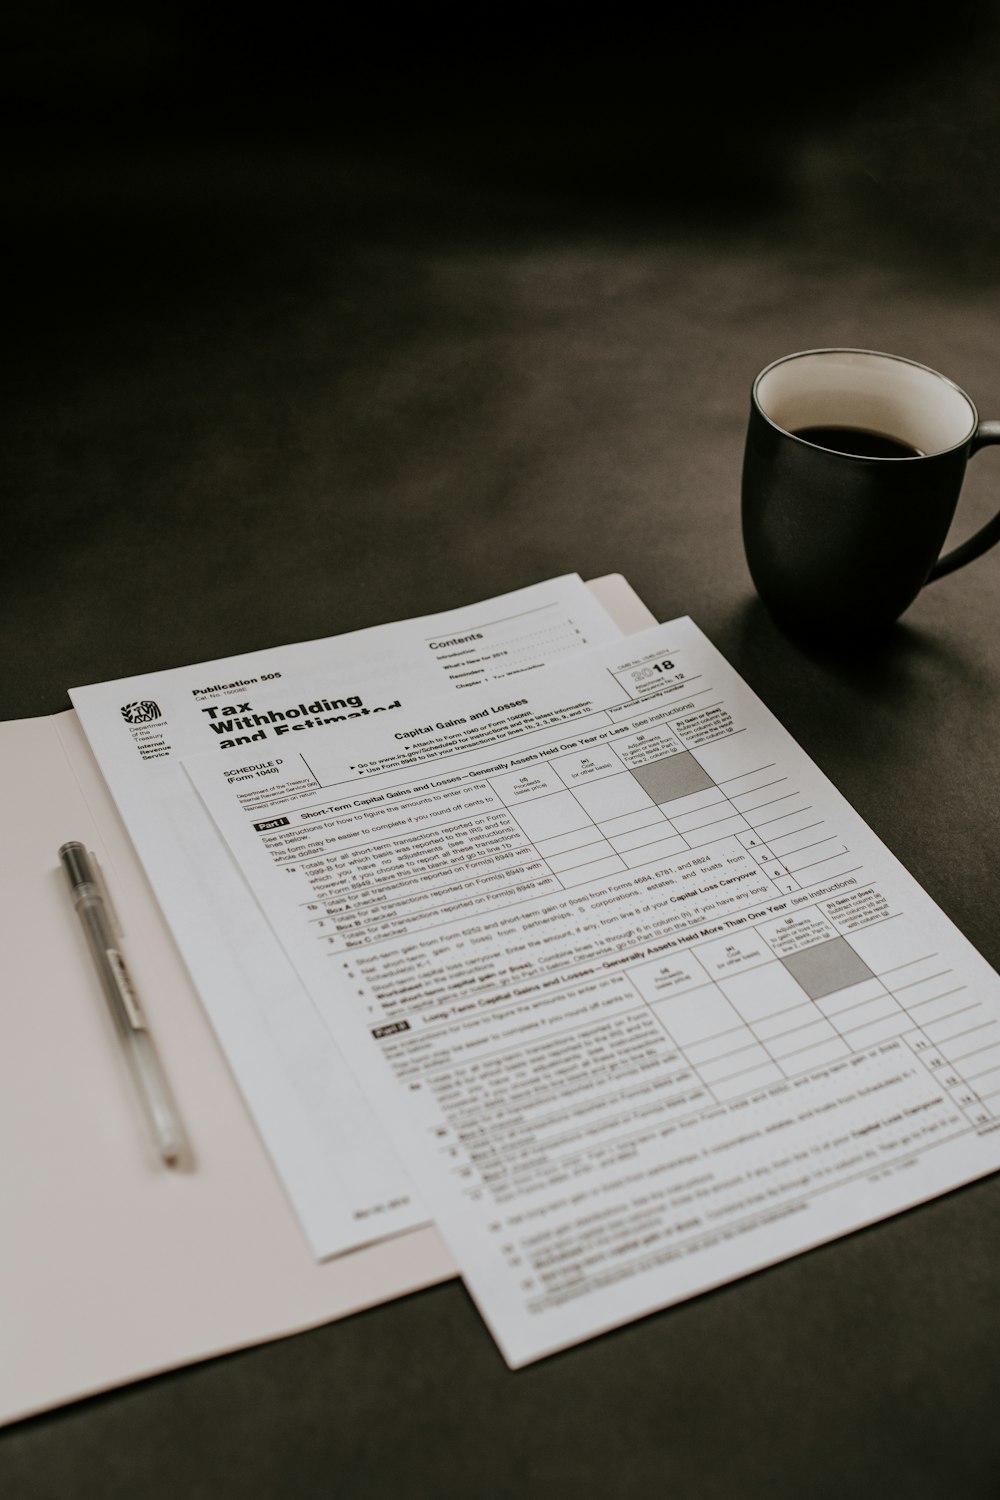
311, 331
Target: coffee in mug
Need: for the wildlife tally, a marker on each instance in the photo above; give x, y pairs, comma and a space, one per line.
858, 441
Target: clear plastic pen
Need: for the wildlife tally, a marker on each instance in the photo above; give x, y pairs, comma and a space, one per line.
144, 1063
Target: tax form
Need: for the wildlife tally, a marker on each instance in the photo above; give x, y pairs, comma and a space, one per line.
642, 1002
340, 1172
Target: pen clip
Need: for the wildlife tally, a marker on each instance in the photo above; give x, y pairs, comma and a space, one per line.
105, 894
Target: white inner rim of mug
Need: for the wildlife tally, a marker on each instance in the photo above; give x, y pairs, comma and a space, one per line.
874, 392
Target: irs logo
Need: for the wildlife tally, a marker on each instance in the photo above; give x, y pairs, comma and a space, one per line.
140, 713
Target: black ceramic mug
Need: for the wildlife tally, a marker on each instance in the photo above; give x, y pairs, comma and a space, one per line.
852, 470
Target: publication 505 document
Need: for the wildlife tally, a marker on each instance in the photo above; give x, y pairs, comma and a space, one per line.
640, 1000
342, 1176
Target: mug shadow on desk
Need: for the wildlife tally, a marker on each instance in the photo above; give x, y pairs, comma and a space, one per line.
850, 697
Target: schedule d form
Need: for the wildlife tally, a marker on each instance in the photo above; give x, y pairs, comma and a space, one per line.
643, 1004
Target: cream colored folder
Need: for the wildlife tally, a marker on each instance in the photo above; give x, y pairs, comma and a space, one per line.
112, 1267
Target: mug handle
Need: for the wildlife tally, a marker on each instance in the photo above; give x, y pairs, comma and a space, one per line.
987, 433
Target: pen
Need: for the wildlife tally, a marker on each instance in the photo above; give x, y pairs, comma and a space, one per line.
150, 1082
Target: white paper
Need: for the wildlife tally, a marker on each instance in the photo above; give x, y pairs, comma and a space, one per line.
642, 1001
341, 1174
